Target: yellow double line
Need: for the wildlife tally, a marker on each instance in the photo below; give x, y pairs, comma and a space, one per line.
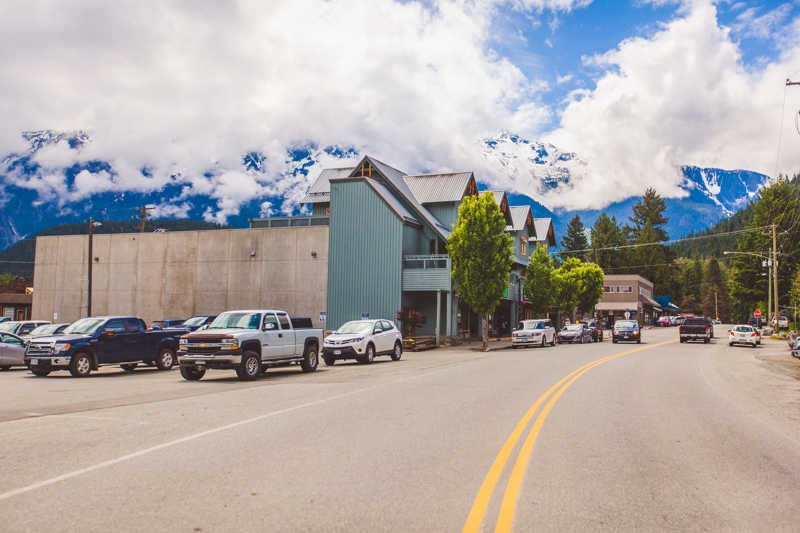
511, 494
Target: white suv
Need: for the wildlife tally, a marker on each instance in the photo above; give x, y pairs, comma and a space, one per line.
362, 340
536, 332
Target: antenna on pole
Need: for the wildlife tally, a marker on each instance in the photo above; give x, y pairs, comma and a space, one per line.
143, 213
789, 82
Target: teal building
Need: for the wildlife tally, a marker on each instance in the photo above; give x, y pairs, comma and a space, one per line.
387, 245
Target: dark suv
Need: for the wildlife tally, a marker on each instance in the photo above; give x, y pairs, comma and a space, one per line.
626, 330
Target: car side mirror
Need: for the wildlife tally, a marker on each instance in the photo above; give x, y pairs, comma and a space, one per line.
269, 326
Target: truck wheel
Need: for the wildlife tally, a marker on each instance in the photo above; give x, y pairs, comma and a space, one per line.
128, 367
166, 359
4, 368
706, 340
368, 356
249, 367
192, 373
310, 359
398, 351
40, 373
81, 365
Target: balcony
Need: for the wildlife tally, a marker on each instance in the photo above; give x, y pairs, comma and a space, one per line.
289, 222
426, 273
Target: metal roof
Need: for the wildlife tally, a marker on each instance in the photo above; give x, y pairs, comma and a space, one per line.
320, 190
519, 217
441, 187
544, 230
392, 201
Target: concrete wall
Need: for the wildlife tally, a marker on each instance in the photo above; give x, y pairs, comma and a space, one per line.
180, 274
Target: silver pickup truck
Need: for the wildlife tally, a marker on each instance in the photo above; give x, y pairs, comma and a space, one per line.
250, 341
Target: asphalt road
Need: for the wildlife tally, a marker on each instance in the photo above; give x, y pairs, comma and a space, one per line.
658, 436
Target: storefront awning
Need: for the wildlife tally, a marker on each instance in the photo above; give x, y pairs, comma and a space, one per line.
617, 306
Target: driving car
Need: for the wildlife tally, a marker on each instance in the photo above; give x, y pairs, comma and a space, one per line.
626, 330
535, 332
574, 333
12, 351
744, 334
362, 340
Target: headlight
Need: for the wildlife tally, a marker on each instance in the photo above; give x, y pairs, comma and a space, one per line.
230, 344
358, 339
60, 348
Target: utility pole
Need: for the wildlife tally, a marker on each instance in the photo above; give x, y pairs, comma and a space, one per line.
716, 307
89, 272
775, 269
143, 212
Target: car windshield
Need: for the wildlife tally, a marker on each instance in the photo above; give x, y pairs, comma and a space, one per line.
84, 326
236, 320
41, 331
743, 329
572, 327
195, 321
8, 327
356, 326
625, 324
159, 324
531, 324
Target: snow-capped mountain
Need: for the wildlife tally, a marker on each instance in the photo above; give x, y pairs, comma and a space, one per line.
34, 196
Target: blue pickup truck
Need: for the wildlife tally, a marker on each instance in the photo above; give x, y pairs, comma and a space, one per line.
93, 342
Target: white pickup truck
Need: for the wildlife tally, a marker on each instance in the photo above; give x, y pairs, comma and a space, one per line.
249, 342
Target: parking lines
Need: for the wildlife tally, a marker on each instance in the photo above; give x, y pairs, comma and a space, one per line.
511, 494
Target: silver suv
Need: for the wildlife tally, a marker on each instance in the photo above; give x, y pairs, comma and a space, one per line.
536, 332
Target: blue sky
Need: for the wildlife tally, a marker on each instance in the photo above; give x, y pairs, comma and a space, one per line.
634, 89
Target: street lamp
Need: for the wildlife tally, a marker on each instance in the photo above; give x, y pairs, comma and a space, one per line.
766, 261
92, 225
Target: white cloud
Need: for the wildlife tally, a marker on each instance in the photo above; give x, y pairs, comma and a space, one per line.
749, 23
679, 97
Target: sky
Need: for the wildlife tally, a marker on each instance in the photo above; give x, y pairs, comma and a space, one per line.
178, 91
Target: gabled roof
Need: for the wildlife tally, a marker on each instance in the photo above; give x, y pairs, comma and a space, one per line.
544, 231
441, 187
396, 183
320, 191
521, 218
501, 200
393, 203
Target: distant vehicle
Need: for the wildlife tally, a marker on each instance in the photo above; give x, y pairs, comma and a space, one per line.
362, 340
574, 333
679, 320
673, 320
166, 324
93, 342
4, 319
626, 330
664, 321
744, 334
756, 322
696, 329
250, 341
536, 332
12, 351
783, 322
595, 330
197, 322
47, 330
21, 328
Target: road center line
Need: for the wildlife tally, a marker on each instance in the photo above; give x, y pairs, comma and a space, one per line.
481, 503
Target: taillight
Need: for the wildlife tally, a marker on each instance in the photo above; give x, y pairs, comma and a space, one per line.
753, 334
731, 334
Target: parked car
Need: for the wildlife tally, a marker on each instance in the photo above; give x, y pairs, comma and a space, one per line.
250, 341
757, 323
744, 334
12, 351
626, 330
794, 345
362, 340
536, 332
696, 329
4, 319
197, 322
169, 323
783, 322
664, 321
46, 330
21, 328
574, 333
595, 330
93, 342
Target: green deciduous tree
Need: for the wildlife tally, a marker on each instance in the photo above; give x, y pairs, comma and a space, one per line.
481, 252
591, 278
577, 285
575, 239
539, 284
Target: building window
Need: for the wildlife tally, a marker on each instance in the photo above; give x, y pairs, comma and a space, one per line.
625, 288
523, 246
326, 211
365, 169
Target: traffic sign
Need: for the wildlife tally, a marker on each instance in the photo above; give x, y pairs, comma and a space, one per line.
364, 316
323, 316
756, 314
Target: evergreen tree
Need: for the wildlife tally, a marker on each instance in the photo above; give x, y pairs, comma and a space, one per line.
606, 235
575, 239
481, 252
652, 260
716, 302
539, 284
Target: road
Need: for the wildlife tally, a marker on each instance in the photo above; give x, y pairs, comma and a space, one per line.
658, 436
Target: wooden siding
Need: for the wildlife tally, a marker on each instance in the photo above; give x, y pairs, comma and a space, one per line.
365, 255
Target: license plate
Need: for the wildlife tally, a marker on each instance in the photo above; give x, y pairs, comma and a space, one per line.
337, 352
199, 363
34, 361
